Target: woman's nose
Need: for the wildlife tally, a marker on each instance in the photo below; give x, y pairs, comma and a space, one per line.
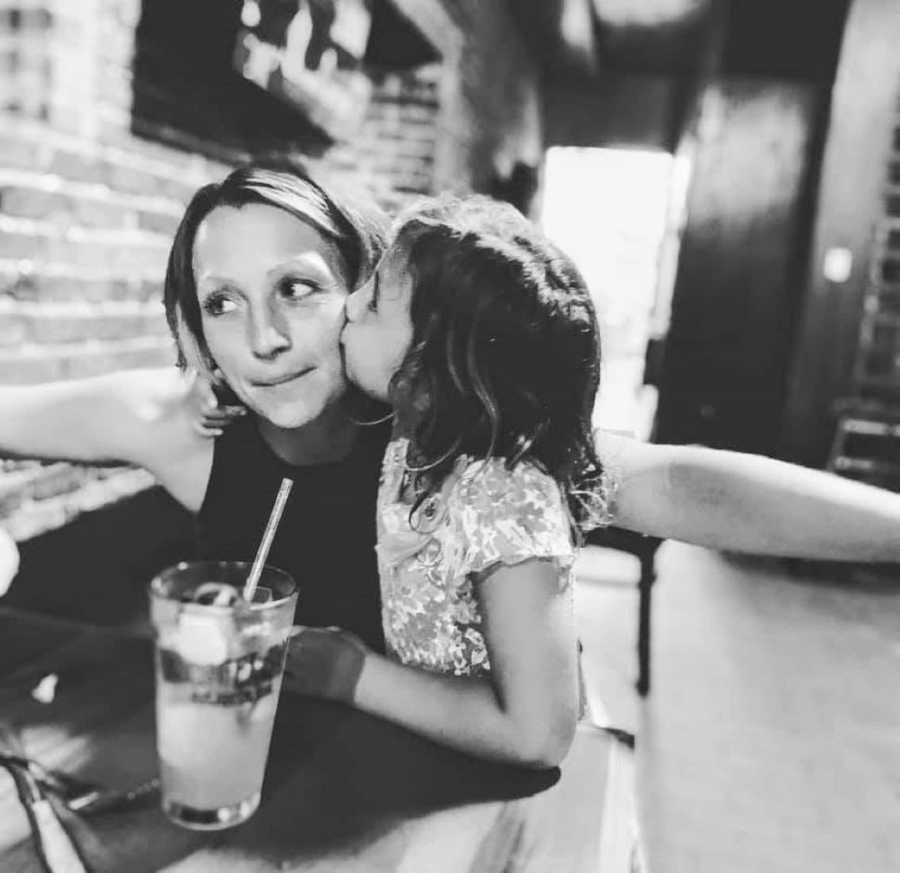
268, 335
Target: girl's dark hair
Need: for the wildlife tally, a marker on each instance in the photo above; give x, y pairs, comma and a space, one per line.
505, 356
355, 226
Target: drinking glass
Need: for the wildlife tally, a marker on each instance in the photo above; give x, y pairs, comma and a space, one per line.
219, 668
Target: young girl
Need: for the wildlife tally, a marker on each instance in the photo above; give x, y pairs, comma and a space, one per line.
483, 338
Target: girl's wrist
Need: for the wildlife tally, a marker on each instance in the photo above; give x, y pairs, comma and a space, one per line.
325, 662
349, 667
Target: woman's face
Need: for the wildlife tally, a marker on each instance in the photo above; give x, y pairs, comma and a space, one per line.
271, 291
378, 331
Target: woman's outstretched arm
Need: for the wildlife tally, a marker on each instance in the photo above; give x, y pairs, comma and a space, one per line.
142, 417
523, 714
749, 503
95, 419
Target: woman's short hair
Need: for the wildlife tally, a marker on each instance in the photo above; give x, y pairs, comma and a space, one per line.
505, 346
353, 224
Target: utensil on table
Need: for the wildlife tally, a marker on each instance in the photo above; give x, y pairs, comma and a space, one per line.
55, 847
82, 796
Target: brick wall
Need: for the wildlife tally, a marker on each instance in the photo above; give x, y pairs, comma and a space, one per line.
491, 116
393, 154
87, 210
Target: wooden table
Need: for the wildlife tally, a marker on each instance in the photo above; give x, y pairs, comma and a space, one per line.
344, 791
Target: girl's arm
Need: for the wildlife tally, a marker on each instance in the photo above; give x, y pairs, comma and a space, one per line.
524, 714
741, 502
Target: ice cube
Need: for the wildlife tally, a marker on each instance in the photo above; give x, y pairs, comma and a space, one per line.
201, 640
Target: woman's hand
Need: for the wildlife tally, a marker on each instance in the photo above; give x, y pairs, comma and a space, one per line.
210, 416
324, 662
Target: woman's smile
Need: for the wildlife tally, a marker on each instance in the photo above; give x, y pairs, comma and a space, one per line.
276, 381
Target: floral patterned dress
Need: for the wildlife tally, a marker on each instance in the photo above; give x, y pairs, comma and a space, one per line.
483, 515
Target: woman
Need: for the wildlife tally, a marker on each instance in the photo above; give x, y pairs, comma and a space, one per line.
255, 287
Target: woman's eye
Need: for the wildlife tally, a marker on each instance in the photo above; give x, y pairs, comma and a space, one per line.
296, 289
218, 304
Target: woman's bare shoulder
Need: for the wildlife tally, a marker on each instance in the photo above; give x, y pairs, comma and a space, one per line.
163, 406
152, 392
163, 396
143, 417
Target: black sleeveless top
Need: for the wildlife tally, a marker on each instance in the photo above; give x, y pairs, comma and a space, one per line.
326, 538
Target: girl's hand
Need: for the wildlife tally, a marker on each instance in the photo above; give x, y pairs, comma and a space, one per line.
210, 416
324, 662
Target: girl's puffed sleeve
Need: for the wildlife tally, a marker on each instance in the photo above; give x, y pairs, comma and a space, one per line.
510, 516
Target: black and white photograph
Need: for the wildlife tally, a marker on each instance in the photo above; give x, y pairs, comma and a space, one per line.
449, 436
